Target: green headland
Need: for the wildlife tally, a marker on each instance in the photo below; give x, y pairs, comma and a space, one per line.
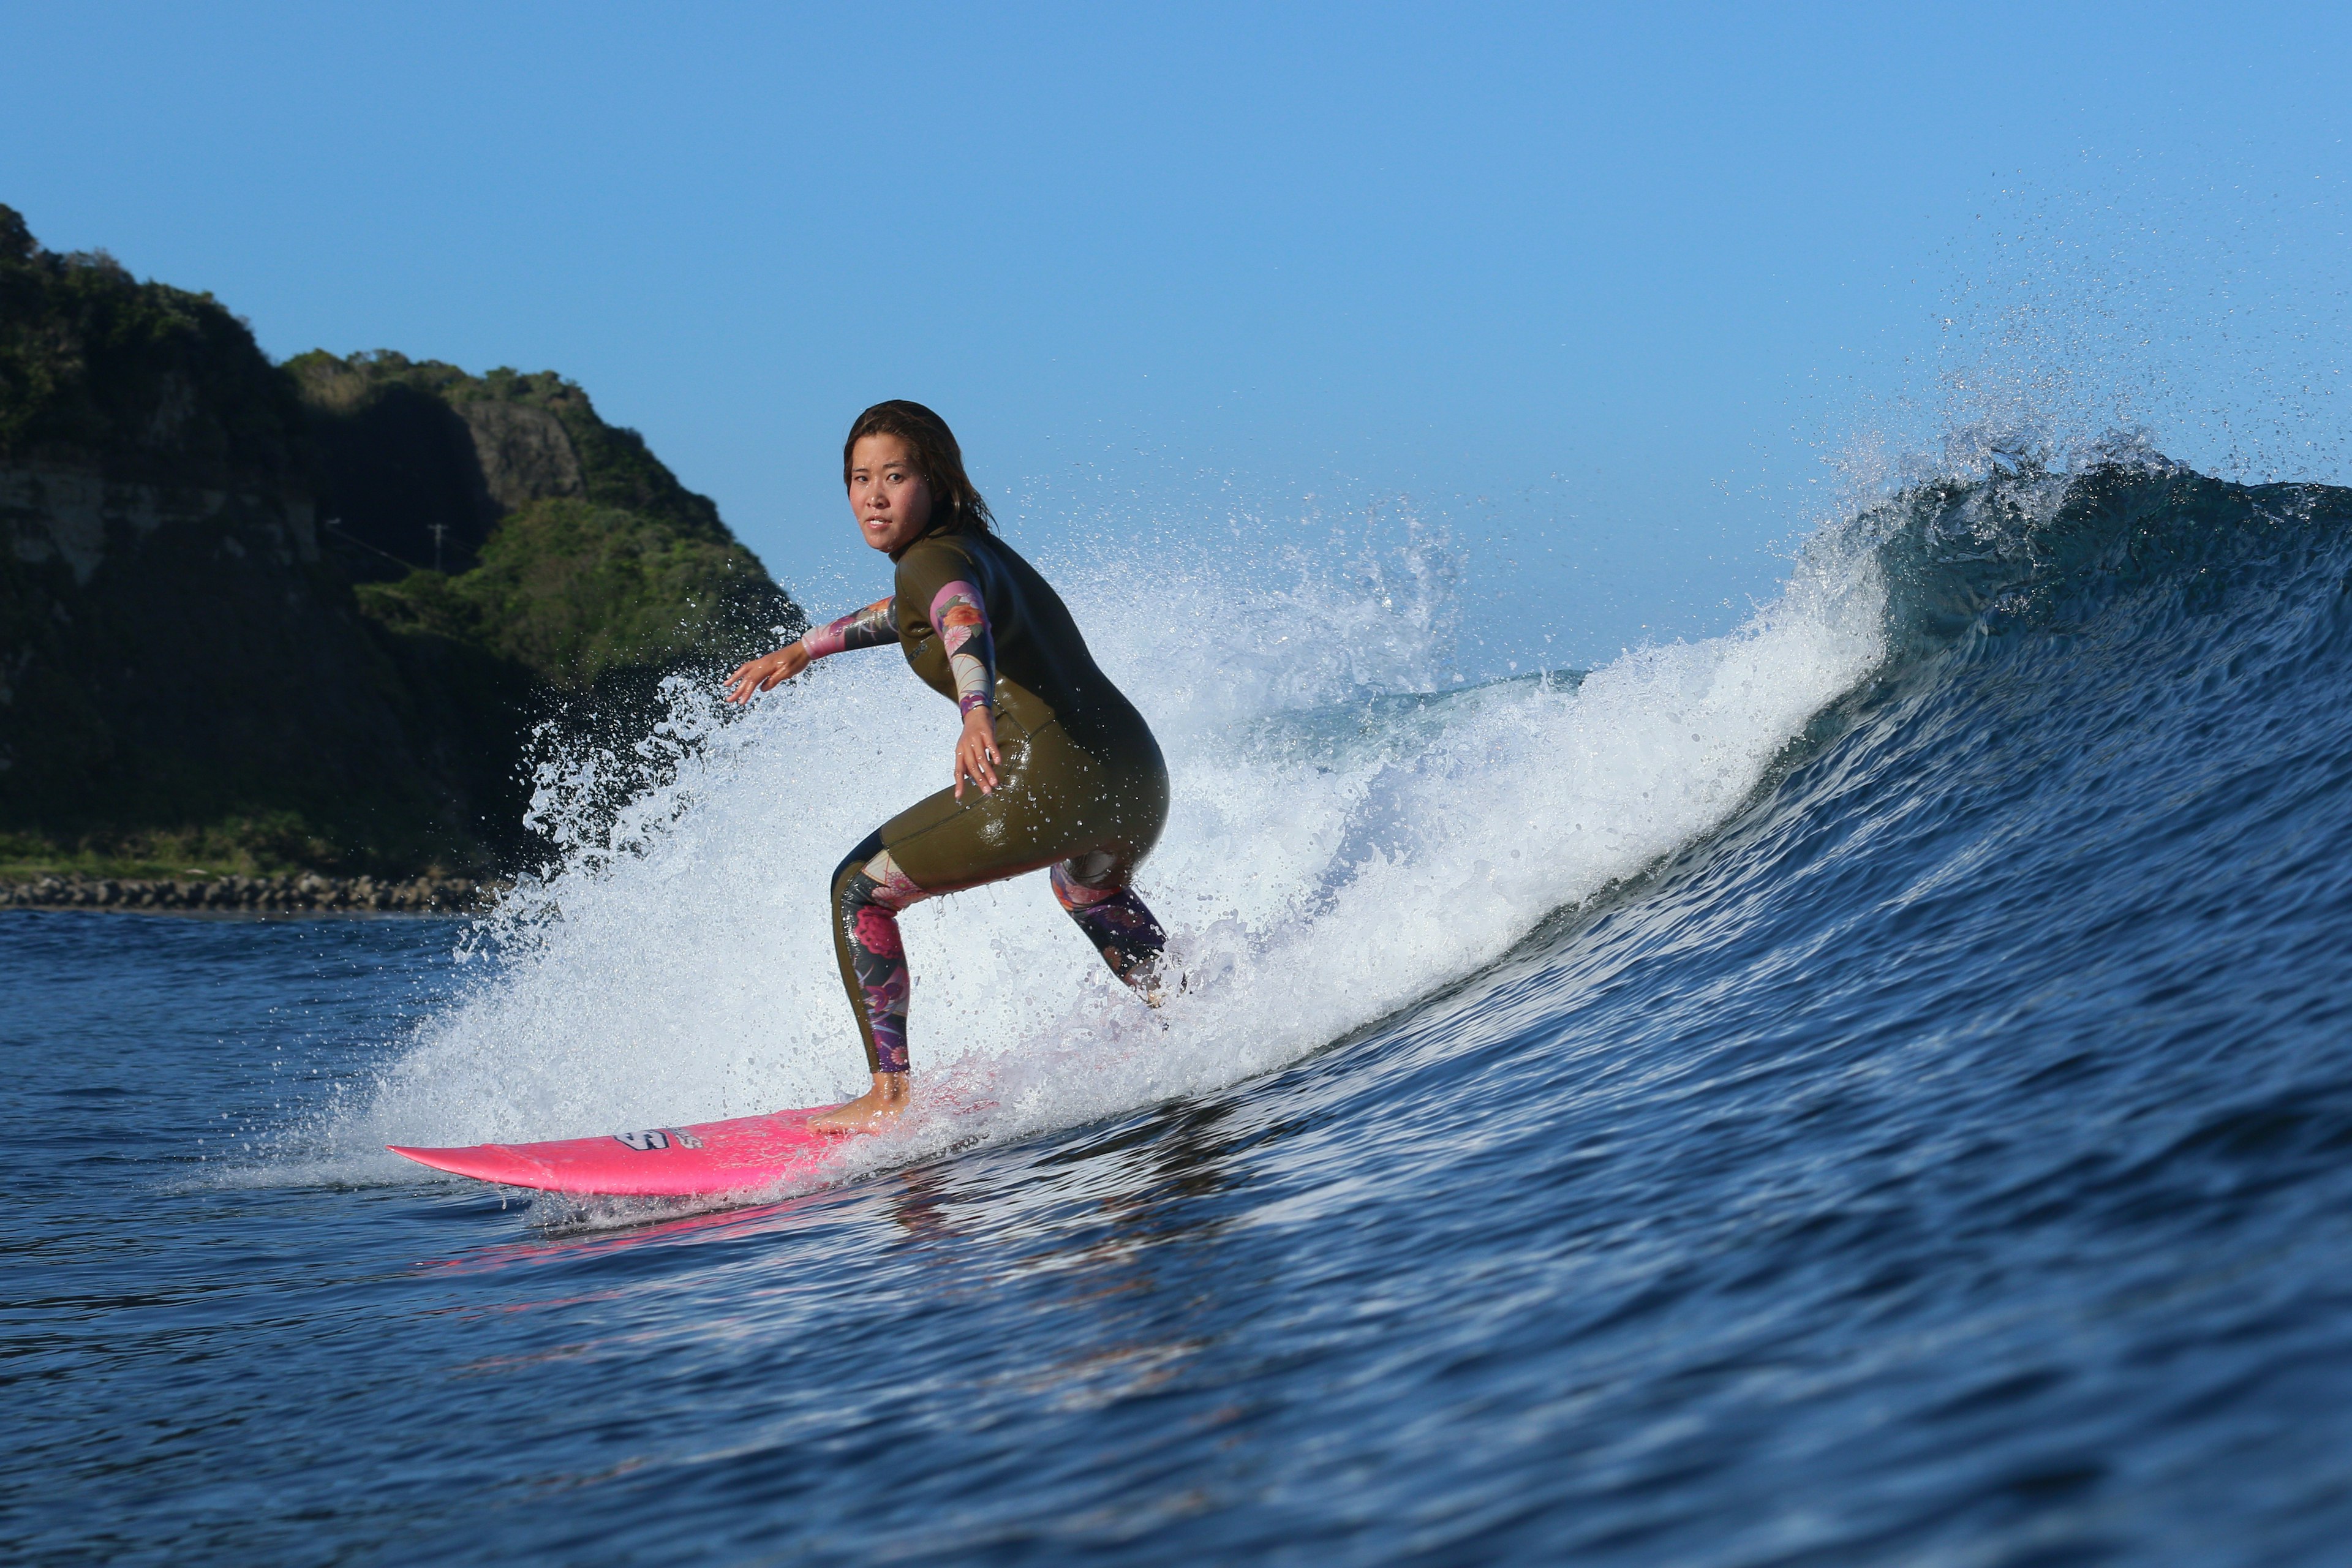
263, 619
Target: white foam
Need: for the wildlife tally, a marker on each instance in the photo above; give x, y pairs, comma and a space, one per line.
1328, 859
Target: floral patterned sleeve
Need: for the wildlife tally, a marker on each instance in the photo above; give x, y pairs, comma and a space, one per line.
870, 627
962, 622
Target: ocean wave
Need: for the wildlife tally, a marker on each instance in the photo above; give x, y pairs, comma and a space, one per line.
1342, 846
1338, 847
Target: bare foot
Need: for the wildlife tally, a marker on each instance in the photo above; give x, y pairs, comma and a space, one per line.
876, 1108
1150, 980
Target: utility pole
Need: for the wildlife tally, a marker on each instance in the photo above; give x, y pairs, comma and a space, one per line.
439, 529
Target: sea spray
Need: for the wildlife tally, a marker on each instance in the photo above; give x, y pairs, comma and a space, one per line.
1332, 853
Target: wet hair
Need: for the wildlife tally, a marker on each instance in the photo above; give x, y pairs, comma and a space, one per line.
956, 507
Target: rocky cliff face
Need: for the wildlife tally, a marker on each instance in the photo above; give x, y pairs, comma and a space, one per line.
221, 639
184, 674
76, 516
563, 543
406, 444
523, 453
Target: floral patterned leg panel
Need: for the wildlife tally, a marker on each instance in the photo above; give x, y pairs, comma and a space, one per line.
869, 891
1117, 923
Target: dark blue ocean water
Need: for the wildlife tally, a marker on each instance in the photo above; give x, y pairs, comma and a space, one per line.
1947, 1158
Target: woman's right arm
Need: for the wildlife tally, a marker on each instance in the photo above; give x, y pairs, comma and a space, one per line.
868, 627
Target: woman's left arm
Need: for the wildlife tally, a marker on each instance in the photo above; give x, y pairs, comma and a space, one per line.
960, 617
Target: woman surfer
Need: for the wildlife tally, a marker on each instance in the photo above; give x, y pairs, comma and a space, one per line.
1060, 770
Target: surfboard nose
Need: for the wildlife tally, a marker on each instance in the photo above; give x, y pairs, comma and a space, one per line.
483, 1161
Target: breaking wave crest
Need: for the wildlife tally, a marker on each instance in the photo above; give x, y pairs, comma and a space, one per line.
1344, 839
1352, 833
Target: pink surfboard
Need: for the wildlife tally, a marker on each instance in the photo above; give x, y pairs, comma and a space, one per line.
704, 1161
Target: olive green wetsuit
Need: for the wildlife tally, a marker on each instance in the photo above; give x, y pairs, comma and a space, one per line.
1081, 788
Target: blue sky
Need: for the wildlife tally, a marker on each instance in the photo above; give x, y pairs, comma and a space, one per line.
1594, 291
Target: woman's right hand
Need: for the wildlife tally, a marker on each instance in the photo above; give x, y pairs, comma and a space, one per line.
767, 671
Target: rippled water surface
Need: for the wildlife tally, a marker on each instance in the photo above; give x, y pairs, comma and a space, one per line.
1873, 1090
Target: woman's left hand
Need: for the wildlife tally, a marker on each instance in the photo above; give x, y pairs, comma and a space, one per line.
976, 756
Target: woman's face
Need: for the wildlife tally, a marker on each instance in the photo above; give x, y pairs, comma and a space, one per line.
887, 493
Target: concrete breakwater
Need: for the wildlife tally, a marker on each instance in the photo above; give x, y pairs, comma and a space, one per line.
418, 895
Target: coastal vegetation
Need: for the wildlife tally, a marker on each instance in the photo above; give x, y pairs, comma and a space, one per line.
262, 620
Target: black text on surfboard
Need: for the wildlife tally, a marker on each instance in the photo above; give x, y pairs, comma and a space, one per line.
659, 1138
